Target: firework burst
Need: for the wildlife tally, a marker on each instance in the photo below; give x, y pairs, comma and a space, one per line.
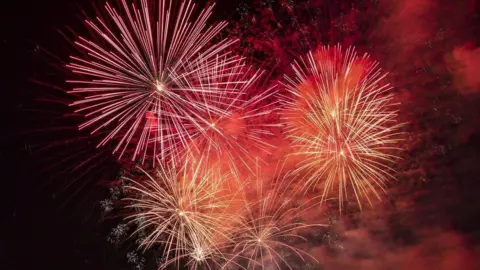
201, 254
183, 210
342, 122
271, 225
140, 78
234, 134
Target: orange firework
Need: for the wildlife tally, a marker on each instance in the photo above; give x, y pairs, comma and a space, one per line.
342, 122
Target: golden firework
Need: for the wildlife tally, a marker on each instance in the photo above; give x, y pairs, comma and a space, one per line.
342, 121
185, 210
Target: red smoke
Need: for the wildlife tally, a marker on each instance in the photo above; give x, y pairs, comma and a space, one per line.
464, 63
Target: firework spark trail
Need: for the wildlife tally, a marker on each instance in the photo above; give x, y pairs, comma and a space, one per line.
191, 212
142, 74
183, 210
271, 223
342, 121
200, 254
234, 132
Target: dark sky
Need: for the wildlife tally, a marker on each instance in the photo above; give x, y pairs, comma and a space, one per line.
42, 232
46, 230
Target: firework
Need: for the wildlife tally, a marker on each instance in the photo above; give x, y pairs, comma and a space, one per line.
341, 120
200, 254
183, 210
140, 78
235, 133
271, 225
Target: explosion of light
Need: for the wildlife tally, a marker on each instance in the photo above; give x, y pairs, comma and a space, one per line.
201, 254
341, 119
270, 226
184, 210
234, 133
142, 75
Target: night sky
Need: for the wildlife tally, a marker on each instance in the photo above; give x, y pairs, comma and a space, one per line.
430, 217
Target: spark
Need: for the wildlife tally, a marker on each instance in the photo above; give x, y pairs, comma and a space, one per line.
139, 79
182, 210
342, 122
271, 223
234, 132
160, 87
201, 254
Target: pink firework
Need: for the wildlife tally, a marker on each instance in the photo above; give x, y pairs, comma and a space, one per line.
234, 133
141, 79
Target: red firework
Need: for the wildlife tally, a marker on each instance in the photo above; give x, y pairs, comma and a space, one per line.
234, 133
